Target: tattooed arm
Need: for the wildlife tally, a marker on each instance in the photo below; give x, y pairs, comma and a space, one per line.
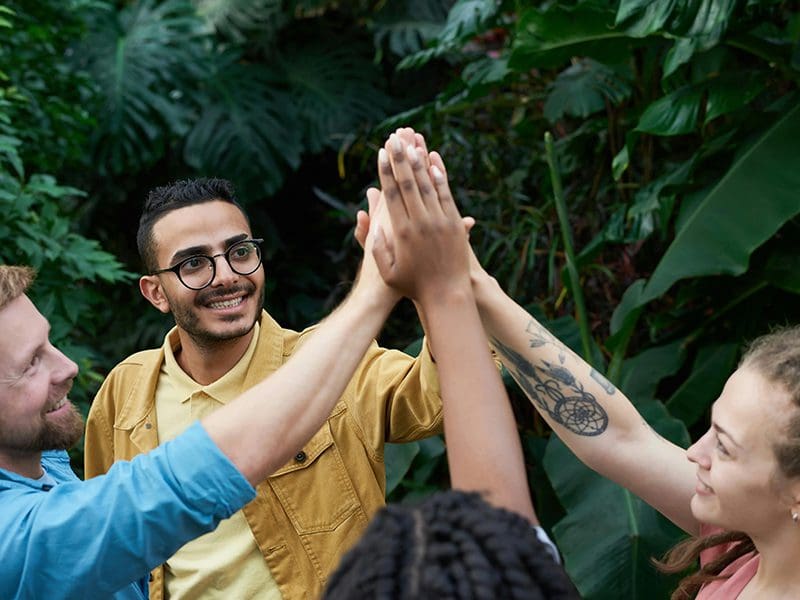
595, 420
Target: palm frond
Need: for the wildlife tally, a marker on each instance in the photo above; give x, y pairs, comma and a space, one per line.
408, 27
336, 89
247, 129
465, 19
238, 19
145, 60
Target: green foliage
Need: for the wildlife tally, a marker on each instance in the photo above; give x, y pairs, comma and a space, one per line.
675, 128
248, 132
673, 123
43, 128
335, 86
609, 536
144, 60
238, 19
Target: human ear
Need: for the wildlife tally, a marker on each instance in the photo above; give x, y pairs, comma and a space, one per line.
150, 287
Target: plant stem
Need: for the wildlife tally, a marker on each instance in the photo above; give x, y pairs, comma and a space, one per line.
566, 235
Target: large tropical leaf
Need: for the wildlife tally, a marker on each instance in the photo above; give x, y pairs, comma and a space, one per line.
757, 195
690, 18
145, 60
335, 88
465, 19
642, 373
710, 370
698, 25
247, 130
408, 27
783, 270
236, 19
583, 88
676, 113
609, 536
552, 37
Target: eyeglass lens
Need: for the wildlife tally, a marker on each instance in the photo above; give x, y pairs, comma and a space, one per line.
198, 271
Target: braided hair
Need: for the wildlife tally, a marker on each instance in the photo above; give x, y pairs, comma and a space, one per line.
453, 546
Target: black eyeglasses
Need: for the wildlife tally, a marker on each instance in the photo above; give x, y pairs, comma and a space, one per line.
198, 271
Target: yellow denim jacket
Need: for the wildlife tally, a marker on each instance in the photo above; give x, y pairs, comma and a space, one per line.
310, 511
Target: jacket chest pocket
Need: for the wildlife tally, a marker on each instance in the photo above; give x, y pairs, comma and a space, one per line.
314, 487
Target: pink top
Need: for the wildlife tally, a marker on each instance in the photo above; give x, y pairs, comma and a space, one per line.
741, 571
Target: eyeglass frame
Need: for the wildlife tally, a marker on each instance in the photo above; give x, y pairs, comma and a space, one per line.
213, 258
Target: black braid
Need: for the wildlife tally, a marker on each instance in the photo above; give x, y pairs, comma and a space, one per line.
453, 546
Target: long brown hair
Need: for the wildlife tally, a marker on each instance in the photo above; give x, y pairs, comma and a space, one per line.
776, 356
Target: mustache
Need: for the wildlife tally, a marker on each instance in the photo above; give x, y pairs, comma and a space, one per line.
218, 294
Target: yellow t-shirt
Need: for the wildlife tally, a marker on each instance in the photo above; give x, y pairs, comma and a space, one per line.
225, 563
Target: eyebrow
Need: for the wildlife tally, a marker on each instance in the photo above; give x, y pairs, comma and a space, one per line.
183, 253
719, 429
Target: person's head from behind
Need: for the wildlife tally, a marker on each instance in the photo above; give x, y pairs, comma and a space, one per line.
35, 377
200, 259
452, 546
748, 463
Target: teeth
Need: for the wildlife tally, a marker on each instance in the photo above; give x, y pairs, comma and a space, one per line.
226, 303
58, 404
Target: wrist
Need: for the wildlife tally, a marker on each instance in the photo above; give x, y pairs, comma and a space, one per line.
484, 286
434, 299
374, 296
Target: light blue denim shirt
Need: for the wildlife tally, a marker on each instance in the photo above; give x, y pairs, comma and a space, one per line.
100, 538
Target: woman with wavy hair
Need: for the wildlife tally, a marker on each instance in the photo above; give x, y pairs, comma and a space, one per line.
736, 490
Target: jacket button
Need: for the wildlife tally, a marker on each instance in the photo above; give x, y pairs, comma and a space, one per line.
300, 456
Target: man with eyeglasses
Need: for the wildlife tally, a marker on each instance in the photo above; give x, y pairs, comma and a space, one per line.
204, 267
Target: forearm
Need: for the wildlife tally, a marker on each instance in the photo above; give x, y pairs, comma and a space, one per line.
581, 406
270, 422
113, 529
483, 447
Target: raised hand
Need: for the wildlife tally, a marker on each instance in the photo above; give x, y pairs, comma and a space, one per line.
375, 200
427, 255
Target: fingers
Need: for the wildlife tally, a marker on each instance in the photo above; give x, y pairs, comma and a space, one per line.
425, 187
422, 147
373, 200
439, 175
362, 228
404, 163
391, 191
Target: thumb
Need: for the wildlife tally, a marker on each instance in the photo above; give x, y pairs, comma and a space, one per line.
469, 223
383, 254
362, 228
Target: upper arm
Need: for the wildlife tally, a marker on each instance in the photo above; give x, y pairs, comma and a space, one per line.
651, 467
397, 396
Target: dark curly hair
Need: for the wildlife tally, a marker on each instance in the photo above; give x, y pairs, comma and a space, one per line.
452, 546
178, 194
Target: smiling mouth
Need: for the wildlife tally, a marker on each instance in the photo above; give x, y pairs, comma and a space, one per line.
705, 487
57, 405
233, 302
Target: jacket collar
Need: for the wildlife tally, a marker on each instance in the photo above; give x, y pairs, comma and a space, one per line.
138, 407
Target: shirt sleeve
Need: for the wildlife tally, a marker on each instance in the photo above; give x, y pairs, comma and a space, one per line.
395, 397
547, 542
89, 539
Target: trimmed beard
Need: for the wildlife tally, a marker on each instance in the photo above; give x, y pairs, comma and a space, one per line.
52, 434
187, 320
